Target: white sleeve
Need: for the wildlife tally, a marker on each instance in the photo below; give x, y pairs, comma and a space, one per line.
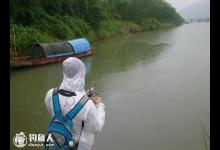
100, 116
93, 124
48, 102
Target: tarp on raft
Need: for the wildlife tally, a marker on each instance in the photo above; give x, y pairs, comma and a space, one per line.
47, 50
57, 49
80, 45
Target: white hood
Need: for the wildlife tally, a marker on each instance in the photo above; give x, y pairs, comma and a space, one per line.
73, 75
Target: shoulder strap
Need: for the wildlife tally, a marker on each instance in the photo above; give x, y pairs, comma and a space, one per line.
56, 104
74, 111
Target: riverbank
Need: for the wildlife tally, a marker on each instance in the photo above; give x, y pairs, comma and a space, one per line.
115, 28
23, 38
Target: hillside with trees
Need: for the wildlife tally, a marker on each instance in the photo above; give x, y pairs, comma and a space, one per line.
34, 21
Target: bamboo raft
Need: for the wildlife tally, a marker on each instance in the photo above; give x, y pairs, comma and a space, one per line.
28, 61
48, 53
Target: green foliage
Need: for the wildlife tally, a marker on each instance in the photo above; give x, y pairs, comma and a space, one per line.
77, 26
46, 20
91, 11
164, 12
22, 38
54, 26
150, 24
110, 28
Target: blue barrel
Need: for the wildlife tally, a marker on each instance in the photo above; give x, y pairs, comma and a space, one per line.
80, 45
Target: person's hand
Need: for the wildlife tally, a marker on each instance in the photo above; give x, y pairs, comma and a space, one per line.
96, 100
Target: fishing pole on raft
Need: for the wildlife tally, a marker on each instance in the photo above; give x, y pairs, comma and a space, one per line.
91, 91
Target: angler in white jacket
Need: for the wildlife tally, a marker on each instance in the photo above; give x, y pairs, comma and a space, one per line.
91, 117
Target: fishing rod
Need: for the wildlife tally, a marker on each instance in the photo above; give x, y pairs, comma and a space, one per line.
92, 92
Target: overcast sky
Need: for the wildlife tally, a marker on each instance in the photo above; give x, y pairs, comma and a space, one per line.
179, 4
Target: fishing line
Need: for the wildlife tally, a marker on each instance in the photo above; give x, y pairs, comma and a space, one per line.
111, 61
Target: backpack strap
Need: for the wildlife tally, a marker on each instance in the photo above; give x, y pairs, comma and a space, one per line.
74, 111
56, 104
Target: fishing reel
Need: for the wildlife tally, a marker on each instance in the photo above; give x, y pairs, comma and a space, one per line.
92, 92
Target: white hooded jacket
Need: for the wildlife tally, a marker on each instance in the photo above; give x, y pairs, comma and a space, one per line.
93, 116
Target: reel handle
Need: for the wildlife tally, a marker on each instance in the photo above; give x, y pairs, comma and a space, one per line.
91, 92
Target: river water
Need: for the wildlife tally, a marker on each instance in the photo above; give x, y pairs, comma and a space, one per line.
156, 89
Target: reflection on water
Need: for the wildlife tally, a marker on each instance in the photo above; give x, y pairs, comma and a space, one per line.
88, 63
133, 51
156, 90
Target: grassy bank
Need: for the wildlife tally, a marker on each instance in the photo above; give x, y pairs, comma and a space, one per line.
22, 38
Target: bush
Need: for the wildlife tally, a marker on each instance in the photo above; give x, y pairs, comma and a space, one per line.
63, 27
91, 36
135, 28
23, 38
110, 28
54, 26
77, 26
150, 24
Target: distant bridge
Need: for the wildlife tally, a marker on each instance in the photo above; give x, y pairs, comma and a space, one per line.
197, 20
